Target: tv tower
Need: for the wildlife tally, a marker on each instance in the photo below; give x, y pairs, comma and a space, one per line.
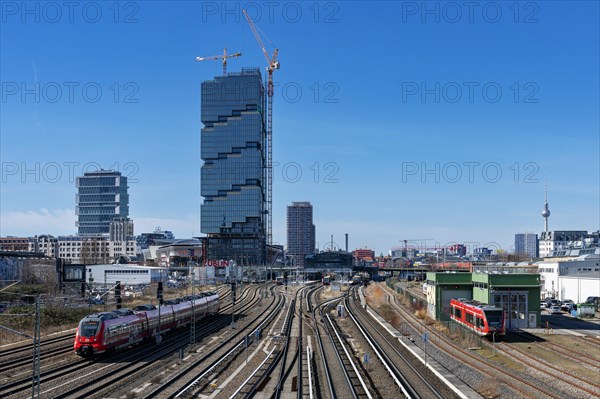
546, 211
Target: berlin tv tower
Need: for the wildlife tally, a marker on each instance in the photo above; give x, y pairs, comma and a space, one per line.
546, 211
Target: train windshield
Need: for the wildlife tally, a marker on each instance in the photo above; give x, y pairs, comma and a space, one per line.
494, 318
88, 328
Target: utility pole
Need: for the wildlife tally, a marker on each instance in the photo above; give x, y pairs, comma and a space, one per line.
193, 321
36, 350
159, 297
233, 283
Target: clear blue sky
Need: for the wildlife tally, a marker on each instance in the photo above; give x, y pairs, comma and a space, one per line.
408, 113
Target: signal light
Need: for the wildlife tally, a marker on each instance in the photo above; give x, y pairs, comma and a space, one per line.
159, 293
118, 294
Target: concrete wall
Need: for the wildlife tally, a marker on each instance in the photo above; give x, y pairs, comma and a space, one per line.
578, 289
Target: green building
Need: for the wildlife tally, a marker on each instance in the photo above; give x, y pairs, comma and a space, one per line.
517, 293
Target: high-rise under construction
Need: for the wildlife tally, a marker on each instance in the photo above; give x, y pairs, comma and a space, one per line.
233, 176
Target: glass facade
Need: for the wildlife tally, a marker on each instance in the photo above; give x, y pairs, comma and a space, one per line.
232, 176
101, 197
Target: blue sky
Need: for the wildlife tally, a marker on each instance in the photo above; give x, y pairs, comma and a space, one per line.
404, 121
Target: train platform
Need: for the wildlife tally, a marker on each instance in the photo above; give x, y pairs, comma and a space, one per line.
418, 350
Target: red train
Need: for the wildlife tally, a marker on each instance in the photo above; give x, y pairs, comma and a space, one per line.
481, 318
104, 332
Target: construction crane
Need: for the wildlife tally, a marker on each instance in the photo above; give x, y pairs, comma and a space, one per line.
220, 57
272, 65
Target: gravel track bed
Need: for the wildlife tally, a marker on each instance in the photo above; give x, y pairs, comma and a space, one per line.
222, 386
144, 382
400, 363
498, 386
91, 368
335, 370
381, 383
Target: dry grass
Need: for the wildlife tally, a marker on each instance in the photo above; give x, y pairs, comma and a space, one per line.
501, 360
489, 389
157, 379
421, 314
389, 314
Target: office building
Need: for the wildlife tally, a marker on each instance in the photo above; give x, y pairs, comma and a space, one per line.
233, 176
556, 240
527, 245
363, 254
300, 232
101, 197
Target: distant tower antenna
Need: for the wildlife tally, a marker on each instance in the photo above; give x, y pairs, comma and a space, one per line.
546, 211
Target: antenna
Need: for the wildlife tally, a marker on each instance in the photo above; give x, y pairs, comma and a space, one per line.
546, 211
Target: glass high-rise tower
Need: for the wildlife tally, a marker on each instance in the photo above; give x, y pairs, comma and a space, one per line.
233, 142
101, 197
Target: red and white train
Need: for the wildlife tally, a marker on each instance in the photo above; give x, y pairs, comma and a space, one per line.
104, 332
481, 318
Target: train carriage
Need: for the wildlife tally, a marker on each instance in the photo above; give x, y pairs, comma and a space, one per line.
104, 332
483, 319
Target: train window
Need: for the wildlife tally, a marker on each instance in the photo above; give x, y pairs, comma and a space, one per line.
88, 328
469, 318
494, 318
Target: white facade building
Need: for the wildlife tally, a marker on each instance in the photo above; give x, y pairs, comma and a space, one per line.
559, 239
78, 249
108, 275
575, 278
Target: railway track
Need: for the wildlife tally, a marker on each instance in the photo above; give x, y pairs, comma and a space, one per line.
119, 379
525, 385
276, 360
58, 376
569, 353
411, 382
17, 356
195, 377
354, 384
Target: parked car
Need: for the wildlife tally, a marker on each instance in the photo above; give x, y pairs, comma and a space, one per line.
548, 302
594, 300
554, 302
554, 310
567, 304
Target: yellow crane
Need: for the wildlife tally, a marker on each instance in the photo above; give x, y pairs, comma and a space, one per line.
272, 65
220, 57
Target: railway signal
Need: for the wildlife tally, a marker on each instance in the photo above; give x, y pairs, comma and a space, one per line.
118, 294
